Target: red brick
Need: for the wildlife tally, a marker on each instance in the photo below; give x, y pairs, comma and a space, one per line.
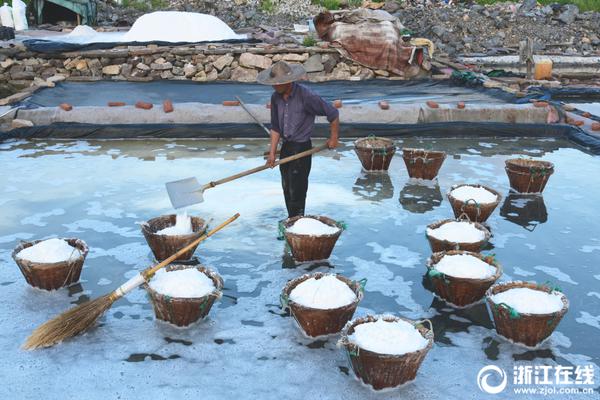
168, 106
66, 106
143, 105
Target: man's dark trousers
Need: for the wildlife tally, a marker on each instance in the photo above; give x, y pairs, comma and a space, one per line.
294, 176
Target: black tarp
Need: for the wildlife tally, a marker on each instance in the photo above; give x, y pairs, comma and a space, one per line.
228, 131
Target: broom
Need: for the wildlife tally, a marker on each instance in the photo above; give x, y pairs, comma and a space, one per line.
80, 318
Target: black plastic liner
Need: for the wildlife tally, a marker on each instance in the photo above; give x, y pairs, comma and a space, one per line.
78, 93
229, 131
51, 46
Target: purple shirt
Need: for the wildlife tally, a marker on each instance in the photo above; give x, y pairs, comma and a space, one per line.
294, 119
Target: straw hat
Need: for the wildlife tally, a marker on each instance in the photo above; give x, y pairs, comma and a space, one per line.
281, 73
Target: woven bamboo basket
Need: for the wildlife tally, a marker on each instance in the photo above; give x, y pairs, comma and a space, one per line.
423, 164
384, 371
311, 248
164, 246
528, 176
375, 153
438, 245
316, 322
527, 329
475, 211
183, 311
460, 292
51, 276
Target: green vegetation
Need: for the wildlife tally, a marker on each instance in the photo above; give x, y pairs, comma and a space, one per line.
584, 5
354, 3
266, 6
309, 41
329, 4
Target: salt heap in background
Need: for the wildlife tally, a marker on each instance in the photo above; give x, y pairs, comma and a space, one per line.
465, 266
312, 227
185, 283
530, 301
383, 337
325, 293
50, 251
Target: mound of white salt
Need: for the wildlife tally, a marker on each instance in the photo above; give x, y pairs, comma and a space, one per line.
457, 232
325, 293
186, 283
312, 227
383, 337
479, 194
177, 26
465, 266
530, 301
50, 251
183, 226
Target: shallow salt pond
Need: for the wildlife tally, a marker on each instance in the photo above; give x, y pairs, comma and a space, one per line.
100, 191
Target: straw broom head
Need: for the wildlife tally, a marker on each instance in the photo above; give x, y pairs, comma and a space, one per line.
70, 323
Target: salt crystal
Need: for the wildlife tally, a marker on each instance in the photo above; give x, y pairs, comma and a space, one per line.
530, 301
184, 283
183, 226
465, 266
479, 194
388, 337
325, 293
457, 232
50, 251
312, 227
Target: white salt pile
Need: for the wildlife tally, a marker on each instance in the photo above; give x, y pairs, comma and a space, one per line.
176, 26
50, 251
530, 301
325, 293
479, 194
457, 232
183, 226
383, 337
312, 227
465, 266
186, 283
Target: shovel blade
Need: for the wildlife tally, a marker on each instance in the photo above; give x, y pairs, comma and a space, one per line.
185, 192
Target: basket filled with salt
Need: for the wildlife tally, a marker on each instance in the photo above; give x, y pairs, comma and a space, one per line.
169, 233
183, 294
386, 351
460, 277
459, 234
478, 202
526, 312
322, 303
311, 237
528, 176
423, 164
375, 153
51, 264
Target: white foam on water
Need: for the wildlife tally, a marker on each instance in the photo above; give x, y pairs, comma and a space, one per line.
501, 239
589, 249
589, 319
96, 208
529, 301
522, 272
596, 294
388, 337
325, 293
100, 226
16, 236
397, 255
37, 219
556, 273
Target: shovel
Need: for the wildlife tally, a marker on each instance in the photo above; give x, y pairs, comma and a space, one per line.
186, 192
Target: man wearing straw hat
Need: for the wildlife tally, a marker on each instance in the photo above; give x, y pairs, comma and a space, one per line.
293, 111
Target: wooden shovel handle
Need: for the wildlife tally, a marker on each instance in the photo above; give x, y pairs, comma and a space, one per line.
149, 272
263, 167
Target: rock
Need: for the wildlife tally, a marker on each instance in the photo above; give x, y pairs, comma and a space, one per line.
9, 62
250, 60
381, 72
166, 74
528, 5
366, 74
547, 10
56, 78
161, 66
160, 60
225, 74
295, 57
570, 12
200, 76
223, 62
20, 123
189, 70
81, 65
329, 64
212, 75
111, 70
242, 74
39, 82
95, 66
314, 64
126, 70
142, 67
177, 71
391, 6
208, 68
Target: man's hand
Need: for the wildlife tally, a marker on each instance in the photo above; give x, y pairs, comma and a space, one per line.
271, 159
332, 143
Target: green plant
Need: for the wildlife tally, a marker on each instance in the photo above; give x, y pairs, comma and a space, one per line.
331, 4
354, 3
309, 41
267, 6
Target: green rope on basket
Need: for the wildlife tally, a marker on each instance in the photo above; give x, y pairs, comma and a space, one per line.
434, 273
284, 300
550, 286
203, 305
537, 171
490, 259
371, 136
361, 284
353, 352
281, 229
342, 225
514, 314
